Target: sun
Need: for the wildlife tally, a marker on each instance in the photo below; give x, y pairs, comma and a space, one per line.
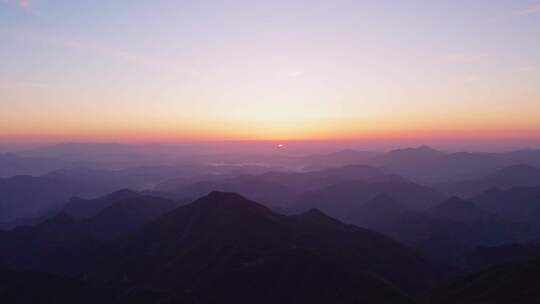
280, 145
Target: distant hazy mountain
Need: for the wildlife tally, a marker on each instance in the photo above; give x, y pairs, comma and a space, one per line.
459, 210
116, 214
126, 215
477, 227
30, 196
448, 229
409, 158
380, 210
24, 198
507, 177
24, 246
521, 204
338, 159
12, 164
427, 165
240, 250
281, 188
340, 199
385, 215
85, 208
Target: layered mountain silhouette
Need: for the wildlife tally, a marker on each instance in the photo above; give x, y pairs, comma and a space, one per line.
461, 211
448, 229
505, 178
36, 287
86, 208
511, 283
282, 188
427, 165
520, 204
240, 250
486, 257
340, 199
366, 227
30, 196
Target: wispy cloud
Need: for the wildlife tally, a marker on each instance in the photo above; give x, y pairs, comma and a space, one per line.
25, 3
523, 12
527, 68
75, 43
533, 9
463, 57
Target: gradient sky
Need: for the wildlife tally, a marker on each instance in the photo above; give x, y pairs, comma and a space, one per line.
188, 70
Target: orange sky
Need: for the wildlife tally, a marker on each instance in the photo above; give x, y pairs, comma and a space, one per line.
269, 71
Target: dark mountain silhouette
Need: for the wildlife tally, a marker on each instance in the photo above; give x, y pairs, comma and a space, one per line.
386, 215
431, 236
446, 230
478, 227
482, 258
462, 211
36, 287
86, 208
436, 238
520, 204
512, 283
240, 250
23, 199
126, 215
267, 192
125, 212
147, 246
380, 210
247, 238
508, 177
30, 196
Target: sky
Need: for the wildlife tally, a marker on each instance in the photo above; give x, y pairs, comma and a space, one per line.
172, 71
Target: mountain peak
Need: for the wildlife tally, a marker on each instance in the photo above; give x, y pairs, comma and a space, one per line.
382, 197
418, 154
518, 171
457, 201
230, 202
382, 203
458, 209
122, 194
426, 148
318, 215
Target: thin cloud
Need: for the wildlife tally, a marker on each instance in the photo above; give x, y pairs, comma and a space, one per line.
25, 3
527, 68
533, 9
81, 44
19, 3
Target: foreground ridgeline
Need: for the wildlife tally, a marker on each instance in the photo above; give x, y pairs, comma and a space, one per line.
129, 247
222, 247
